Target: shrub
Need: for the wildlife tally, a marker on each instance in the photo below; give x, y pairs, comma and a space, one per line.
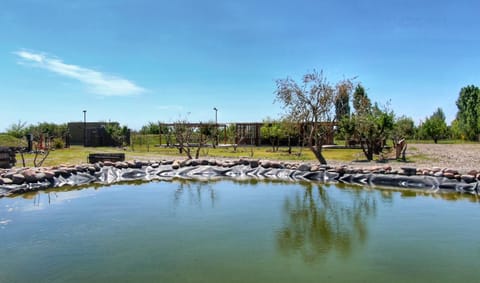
58, 143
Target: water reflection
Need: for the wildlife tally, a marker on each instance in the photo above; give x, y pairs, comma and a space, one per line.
317, 224
195, 193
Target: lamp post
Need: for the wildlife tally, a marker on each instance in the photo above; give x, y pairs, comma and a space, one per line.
84, 128
216, 125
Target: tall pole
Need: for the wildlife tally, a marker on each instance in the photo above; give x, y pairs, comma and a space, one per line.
84, 128
216, 125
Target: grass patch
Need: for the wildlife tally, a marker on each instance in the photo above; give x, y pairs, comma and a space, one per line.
79, 154
7, 140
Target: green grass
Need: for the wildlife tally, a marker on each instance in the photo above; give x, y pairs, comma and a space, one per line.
7, 140
145, 148
79, 154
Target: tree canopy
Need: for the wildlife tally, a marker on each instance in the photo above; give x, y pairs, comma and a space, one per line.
468, 115
312, 104
435, 126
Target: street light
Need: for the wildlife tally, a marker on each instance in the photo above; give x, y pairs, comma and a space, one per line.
84, 128
216, 125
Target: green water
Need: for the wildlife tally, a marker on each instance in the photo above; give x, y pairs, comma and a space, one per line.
234, 232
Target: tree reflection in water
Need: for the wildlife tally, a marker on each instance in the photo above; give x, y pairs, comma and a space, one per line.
317, 224
194, 192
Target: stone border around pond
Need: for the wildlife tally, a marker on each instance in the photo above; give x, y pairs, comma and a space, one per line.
21, 180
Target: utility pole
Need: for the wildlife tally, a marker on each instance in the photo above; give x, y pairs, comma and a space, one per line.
216, 125
84, 128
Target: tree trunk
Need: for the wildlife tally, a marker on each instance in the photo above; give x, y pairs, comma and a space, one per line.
289, 145
317, 151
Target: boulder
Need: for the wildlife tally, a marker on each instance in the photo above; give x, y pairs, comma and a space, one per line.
107, 163
276, 164
450, 170
18, 179
29, 176
176, 164
266, 163
449, 175
409, 171
49, 174
467, 178
40, 176
438, 174
304, 167
315, 168
5, 181
473, 172
436, 169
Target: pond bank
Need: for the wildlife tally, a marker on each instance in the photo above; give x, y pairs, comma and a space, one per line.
435, 179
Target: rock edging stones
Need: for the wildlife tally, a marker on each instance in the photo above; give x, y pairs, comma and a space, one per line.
20, 180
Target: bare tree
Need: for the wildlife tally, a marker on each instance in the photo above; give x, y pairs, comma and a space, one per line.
312, 104
189, 138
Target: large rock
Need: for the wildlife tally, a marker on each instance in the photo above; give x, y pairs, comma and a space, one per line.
409, 171
266, 163
30, 176
49, 174
5, 181
468, 178
18, 179
176, 164
304, 167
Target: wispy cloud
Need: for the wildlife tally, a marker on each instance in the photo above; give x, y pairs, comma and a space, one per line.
97, 82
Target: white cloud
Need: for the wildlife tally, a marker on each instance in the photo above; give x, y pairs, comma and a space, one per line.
97, 82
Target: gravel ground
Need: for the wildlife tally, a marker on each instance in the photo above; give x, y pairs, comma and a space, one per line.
461, 157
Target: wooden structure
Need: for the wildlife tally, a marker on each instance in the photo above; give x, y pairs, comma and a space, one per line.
195, 126
96, 134
250, 134
114, 157
7, 157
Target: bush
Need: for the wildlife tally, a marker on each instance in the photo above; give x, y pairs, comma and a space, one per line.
58, 143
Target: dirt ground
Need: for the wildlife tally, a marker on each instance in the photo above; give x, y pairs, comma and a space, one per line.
462, 157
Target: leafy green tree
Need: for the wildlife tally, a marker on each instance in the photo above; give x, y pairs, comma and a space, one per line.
273, 131
373, 125
404, 127
311, 103
209, 132
361, 102
117, 133
342, 102
369, 123
455, 130
435, 126
151, 128
291, 131
468, 115
17, 130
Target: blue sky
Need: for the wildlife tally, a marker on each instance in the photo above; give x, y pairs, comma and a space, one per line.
138, 61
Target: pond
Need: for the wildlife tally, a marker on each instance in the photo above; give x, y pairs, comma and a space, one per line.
228, 231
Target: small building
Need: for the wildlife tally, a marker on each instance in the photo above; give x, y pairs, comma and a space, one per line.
91, 134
